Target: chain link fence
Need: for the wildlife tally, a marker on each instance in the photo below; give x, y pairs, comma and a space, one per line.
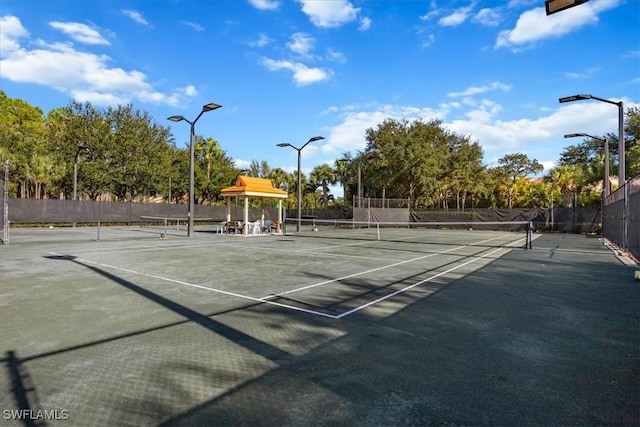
621, 217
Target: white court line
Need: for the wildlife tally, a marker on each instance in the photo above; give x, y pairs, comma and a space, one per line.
395, 264
353, 310
318, 313
180, 282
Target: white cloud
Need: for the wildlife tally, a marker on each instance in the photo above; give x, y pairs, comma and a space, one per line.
456, 18
365, 24
262, 41
80, 32
302, 44
12, 32
190, 91
487, 17
329, 14
83, 75
430, 15
302, 74
336, 56
265, 4
135, 16
481, 122
349, 134
194, 25
428, 41
580, 75
534, 25
476, 90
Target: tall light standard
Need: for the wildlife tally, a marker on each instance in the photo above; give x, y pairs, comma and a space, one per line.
80, 149
606, 158
192, 141
621, 149
299, 192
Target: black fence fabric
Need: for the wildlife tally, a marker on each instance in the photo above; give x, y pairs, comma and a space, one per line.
51, 211
621, 217
571, 220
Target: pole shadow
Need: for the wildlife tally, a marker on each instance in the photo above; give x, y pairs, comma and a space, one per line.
252, 344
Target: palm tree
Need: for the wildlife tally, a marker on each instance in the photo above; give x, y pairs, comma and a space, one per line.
206, 149
569, 178
324, 175
341, 167
278, 177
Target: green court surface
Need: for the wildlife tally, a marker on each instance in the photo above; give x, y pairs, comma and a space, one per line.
117, 326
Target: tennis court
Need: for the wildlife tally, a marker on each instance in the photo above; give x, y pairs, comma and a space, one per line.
328, 324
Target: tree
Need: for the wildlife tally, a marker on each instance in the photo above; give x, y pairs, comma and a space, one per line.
259, 169
342, 174
23, 142
420, 160
215, 170
632, 132
569, 179
324, 175
80, 124
516, 166
278, 178
465, 167
138, 151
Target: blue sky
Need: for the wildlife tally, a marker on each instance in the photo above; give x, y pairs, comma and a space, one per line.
287, 70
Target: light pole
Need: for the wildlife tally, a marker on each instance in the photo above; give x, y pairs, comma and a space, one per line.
80, 149
192, 140
606, 185
621, 149
299, 192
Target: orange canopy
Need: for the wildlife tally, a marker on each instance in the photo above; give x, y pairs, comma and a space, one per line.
248, 186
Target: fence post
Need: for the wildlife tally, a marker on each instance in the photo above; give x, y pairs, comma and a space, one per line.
625, 217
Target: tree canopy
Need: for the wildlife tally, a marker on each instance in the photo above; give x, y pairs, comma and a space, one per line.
130, 157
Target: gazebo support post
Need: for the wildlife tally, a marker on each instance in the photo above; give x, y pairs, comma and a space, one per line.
245, 224
228, 209
278, 225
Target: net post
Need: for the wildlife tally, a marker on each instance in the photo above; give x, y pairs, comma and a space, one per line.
529, 242
378, 229
98, 233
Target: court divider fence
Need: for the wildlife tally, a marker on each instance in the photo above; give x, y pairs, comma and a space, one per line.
621, 217
53, 211
618, 221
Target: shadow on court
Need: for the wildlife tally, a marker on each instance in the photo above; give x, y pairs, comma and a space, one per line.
541, 337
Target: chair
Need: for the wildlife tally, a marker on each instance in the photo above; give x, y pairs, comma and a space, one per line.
254, 227
222, 227
234, 226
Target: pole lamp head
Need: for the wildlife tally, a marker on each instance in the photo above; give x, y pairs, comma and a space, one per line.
575, 135
574, 98
176, 118
555, 6
209, 107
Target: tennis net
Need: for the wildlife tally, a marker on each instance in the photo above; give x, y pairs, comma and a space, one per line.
498, 233
165, 225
